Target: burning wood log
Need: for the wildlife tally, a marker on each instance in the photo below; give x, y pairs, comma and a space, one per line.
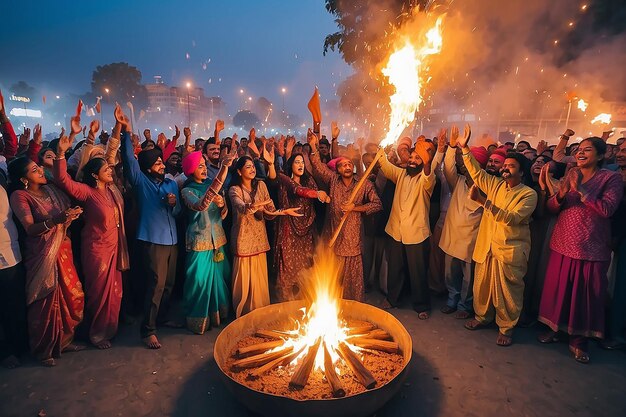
356, 366
282, 361
360, 329
379, 334
274, 334
331, 375
259, 360
376, 344
242, 352
302, 372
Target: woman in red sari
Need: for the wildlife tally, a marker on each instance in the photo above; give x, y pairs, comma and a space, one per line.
104, 253
54, 295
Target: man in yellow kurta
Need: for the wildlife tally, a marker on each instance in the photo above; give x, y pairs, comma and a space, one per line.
408, 226
503, 243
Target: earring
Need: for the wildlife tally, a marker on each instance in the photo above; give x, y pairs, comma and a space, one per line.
25, 182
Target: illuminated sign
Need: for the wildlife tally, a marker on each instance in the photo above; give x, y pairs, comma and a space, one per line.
19, 98
26, 113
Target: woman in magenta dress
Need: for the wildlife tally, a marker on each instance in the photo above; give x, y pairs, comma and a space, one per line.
54, 295
576, 278
104, 253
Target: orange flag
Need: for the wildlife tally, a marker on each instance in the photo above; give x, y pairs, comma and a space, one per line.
79, 108
44, 100
314, 107
98, 106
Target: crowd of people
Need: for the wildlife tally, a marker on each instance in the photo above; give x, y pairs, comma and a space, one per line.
103, 228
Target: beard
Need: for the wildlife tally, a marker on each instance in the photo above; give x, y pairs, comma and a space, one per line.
413, 171
157, 176
495, 173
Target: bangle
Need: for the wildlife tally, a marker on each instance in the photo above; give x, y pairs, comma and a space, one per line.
58, 157
45, 225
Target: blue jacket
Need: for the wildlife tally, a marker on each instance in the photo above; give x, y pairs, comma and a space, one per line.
156, 217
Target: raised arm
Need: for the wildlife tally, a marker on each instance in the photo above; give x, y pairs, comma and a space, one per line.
449, 167
8, 134
559, 151
483, 180
319, 168
79, 191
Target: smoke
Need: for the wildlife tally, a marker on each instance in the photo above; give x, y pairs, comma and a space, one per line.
510, 61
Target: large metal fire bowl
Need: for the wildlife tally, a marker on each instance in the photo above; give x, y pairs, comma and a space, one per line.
363, 404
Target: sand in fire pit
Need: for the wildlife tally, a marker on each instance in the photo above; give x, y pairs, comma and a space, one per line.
383, 366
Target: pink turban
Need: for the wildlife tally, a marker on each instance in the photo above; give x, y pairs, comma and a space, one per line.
481, 155
191, 162
332, 164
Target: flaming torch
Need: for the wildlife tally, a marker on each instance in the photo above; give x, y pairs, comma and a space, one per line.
604, 118
407, 73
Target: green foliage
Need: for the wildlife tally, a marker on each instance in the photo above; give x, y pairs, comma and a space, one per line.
123, 82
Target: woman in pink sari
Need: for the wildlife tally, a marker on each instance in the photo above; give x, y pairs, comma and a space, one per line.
54, 295
104, 252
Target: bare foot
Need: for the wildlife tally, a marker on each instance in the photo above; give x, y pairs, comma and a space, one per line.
105, 344
151, 342
50, 362
73, 348
11, 362
504, 340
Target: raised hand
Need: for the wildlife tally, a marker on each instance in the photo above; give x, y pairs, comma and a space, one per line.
64, 144
2, 111
291, 142
568, 133
37, 134
541, 147
334, 130
606, 135
219, 126
118, 114
462, 141
94, 127
25, 137
176, 133
187, 132
252, 135
75, 125
281, 145
442, 141
268, 155
253, 148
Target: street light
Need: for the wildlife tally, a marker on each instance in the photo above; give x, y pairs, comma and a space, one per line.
188, 108
283, 90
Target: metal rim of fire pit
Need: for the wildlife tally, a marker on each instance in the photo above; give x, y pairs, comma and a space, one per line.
362, 404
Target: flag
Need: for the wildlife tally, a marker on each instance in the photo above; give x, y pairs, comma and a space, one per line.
98, 106
44, 100
314, 107
89, 111
79, 108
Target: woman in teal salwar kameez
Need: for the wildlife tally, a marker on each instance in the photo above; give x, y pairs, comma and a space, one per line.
206, 297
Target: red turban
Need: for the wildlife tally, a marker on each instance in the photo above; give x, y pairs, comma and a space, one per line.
499, 153
481, 155
332, 164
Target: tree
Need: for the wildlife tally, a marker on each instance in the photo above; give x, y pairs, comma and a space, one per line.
246, 119
123, 82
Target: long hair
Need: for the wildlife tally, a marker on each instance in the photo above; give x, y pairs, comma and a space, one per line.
289, 170
238, 166
17, 169
92, 167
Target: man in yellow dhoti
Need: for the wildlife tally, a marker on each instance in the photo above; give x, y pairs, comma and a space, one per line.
503, 243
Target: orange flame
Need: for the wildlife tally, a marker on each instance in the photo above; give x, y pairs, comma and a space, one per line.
406, 72
604, 118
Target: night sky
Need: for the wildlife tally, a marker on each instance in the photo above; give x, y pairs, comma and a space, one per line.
258, 46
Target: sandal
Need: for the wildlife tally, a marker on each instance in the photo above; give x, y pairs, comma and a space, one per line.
50, 362
580, 355
474, 324
447, 309
73, 348
548, 337
462, 315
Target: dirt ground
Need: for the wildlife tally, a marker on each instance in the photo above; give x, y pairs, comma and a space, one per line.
454, 372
